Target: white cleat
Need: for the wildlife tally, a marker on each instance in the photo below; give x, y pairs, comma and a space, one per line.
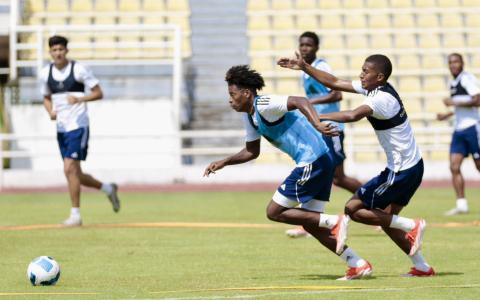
298, 232
73, 221
113, 197
456, 211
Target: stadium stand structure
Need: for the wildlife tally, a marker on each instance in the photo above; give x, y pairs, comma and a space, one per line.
417, 35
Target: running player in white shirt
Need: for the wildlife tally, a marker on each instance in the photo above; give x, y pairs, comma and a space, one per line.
380, 200
63, 89
465, 98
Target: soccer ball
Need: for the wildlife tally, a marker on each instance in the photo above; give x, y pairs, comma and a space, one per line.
43, 270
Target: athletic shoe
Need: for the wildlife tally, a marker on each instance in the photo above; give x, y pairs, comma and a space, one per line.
339, 231
73, 221
358, 272
415, 236
297, 233
113, 197
417, 273
456, 211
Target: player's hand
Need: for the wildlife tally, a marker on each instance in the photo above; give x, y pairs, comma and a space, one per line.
442, 117
297, 63
327, 129
448, 102
53, 115
72, 100
214, 166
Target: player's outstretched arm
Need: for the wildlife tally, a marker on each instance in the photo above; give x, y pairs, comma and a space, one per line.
332, 97
348, 116
250, 152
306, 108
325, 78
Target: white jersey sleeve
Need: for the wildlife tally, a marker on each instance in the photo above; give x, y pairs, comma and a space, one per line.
272, 107
383, 105
250, 133
85, 75
470, 83
357, 86
43, 80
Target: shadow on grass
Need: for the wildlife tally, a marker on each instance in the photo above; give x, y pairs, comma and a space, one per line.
327, 277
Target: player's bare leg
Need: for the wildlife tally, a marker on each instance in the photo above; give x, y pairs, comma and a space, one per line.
340, 179
72, 173
110, 189
456, 160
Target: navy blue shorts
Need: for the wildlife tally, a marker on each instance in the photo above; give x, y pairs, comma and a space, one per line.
74, 144
335, 145
465, 142
390, 187
313, 181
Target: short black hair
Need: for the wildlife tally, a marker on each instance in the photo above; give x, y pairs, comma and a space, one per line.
57, 40
457, 55
244, 77
383, 64
312, 35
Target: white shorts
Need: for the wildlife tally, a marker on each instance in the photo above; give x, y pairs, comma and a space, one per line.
312, 205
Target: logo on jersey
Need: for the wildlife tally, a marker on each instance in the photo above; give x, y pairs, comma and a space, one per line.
74, 155
60, 85
282, 186
362, 190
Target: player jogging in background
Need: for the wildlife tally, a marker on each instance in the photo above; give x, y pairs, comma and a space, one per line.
324, 100
465, 98
380, 200
291, 124
63, 88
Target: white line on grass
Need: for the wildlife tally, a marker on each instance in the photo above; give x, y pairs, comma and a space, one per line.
316, 292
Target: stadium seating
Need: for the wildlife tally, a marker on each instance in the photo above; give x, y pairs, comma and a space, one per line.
108, 12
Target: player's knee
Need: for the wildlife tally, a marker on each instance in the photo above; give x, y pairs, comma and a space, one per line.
350, 211
338, 180
455, 168
272, 215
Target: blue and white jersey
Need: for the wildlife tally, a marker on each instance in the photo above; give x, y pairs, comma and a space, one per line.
462, 88
391, 125
314, 89
289, 131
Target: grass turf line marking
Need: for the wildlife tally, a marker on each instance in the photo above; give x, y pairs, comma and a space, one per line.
315, 292
196, 225
41, 294
263, 288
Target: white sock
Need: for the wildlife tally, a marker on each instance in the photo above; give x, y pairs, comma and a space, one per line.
75, 212
352, 259
107, 188
419, 262
328, 221
402, 223
462, 204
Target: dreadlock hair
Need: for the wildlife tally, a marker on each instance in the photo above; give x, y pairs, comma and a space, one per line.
244, 77
382, 63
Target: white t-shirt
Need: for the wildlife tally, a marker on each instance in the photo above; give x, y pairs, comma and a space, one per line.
271, 108
397, 142
69, 117
465, 116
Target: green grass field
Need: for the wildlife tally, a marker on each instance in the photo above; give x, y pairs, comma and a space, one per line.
225, 262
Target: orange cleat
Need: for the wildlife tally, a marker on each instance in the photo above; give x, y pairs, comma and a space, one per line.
417, 273
415, 236
339, 231
358, 272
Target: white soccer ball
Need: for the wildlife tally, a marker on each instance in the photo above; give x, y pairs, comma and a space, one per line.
43, 270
